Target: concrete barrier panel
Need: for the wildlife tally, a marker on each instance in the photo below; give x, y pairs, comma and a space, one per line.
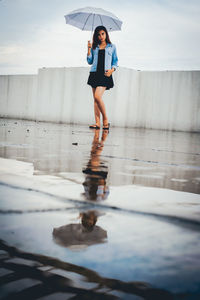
18, 96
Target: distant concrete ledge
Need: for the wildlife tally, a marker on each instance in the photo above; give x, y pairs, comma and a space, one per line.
168, 100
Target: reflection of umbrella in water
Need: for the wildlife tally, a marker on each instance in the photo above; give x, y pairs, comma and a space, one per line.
77, 236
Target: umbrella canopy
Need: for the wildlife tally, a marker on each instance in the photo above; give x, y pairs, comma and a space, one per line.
88, 18
76, 236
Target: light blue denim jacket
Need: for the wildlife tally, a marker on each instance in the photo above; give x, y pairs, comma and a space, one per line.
111, 59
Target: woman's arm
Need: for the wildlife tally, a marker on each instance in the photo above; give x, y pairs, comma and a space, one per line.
90, 54
114, 63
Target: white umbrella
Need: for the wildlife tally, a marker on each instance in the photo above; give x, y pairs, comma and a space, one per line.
88, 18
76, 236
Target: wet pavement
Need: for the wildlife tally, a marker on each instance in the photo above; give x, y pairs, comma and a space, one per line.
87, 214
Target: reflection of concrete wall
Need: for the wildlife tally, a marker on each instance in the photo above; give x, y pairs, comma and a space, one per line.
148, 99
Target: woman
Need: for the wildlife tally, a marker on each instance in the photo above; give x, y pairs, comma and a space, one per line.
102, 55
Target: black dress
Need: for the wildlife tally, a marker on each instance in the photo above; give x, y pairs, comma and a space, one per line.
98, 78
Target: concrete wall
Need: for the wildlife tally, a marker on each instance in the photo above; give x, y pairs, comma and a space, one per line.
18, 96
148, 99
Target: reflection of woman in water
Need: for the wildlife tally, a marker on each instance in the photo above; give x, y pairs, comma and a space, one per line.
88, 219
78, 236
96, 172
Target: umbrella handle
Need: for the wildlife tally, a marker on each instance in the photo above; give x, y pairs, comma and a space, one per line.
91, 36
92, 27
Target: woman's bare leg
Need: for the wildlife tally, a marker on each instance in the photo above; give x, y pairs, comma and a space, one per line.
100, 104
96, 109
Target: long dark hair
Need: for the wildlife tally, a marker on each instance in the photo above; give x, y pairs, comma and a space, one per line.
95, 40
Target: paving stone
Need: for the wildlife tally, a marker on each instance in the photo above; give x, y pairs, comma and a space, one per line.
4, 272
22, 261
17, 286
61, 272
3, 254
78, 280
57, 296
104, 290
45, 268
125, 296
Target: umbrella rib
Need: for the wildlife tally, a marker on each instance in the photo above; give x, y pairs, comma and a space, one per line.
86, 20
116, 23
101, 20
93, 22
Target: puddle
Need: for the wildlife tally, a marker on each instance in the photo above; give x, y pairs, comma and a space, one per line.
110, 210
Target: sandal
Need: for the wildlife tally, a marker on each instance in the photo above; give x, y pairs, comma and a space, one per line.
106, 127
94, 127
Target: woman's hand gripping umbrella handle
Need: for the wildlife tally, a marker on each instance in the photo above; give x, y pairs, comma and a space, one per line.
89, 47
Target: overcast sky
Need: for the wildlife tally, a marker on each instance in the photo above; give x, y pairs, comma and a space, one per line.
155, 35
